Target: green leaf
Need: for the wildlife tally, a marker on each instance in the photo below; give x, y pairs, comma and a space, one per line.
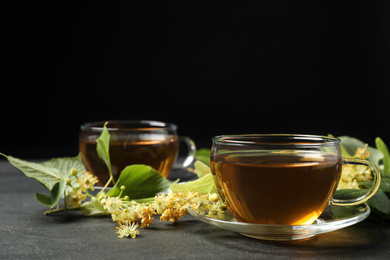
103, 145
379, 201
203, 155
55, 194
141, 181
201, 169
343, 212
386, 156
344, 152
145, 200
384, 186
65, 164
93, 208
51, 174
203, 185
47, 176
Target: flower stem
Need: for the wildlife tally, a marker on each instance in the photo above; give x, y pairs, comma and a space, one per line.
108, 182
111, 175
65, 200
49, 212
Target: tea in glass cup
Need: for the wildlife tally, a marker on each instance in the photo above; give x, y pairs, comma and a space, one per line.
280, 179
132, 142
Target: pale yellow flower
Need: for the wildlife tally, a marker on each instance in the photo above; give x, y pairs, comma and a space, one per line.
112, 204
87, 181
126, 230
352, 174
75, 197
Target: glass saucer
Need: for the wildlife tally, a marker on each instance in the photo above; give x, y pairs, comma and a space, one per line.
333, 218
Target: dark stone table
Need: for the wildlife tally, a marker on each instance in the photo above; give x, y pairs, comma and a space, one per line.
26, 233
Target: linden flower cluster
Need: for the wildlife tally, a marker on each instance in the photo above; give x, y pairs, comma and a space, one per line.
352, 174
174, 206
127, 214
79, 183
171, 207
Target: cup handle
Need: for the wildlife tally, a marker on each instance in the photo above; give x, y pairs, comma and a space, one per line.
191, 153
374, 188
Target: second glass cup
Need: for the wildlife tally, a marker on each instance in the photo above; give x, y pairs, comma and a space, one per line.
151, 143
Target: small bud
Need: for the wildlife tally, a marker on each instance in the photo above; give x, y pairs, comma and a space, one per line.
68, 181
126, 198
100, 196
123, 187
73, 172
214, 197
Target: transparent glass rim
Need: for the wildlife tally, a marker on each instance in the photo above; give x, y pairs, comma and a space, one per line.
129, 125
327, 222
276, 140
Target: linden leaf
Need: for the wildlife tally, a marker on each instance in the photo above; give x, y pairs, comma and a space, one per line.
203, 185
103, 145
203, 155
384, 186
65, 164
51, 174
47, 176
141, 181
379, 201
386, 155
55, 194
93, 208
201, 169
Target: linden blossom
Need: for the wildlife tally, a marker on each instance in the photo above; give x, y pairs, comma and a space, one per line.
79, 191
352, 174
171, 207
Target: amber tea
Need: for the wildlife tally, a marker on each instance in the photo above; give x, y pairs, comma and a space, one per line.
161, 154
276, 188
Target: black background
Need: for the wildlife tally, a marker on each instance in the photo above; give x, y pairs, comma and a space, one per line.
211, 67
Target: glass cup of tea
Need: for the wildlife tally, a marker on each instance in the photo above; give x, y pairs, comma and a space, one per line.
151, 143
280, 178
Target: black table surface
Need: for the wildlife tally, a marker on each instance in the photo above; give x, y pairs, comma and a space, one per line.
26, 232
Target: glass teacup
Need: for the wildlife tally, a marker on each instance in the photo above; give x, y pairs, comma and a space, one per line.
152, 143
281, 179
